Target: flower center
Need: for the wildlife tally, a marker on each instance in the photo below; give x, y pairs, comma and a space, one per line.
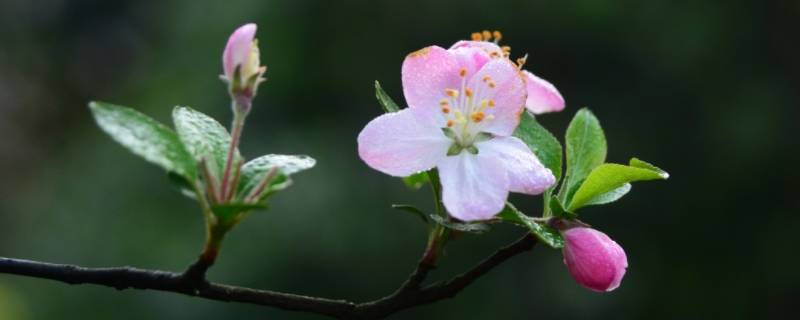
465, 110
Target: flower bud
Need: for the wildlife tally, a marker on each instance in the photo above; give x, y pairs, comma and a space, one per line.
241, 64
594, 260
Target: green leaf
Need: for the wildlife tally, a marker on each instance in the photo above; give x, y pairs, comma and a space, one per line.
412, 209
256, 170
417, 180
386, 102
558, 209
612, 176
230, 213
543, 144
610, 196
544, 233
204, 138
471, 227
586, 149
145, 137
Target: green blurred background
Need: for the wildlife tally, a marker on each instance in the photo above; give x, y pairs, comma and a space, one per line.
705, 89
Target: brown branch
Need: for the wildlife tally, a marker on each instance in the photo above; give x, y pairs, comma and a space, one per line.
410, 293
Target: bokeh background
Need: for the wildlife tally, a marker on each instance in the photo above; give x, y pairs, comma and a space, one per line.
707, 90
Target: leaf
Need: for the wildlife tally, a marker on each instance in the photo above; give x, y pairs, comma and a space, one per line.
145, 137
586, 149
544, 233
543, 144
610, 196
471, 227
417, 180
386, 102
204, 138
412, 209
611, 176
230, 213
558, 209
256, 170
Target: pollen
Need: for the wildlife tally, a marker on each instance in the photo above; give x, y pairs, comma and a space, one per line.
420, 52
462, 72
468, 92
486, 35
497, 36
450, 123
453, 93
476, 36
477, 116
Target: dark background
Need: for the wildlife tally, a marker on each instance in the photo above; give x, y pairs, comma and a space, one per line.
705, 89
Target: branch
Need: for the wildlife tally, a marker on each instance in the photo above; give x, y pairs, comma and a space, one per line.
410, 293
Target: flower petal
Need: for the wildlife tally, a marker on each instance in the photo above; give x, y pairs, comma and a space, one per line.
593, 259
543, 97
426, 74
398, 144
526, 174
474, 187
237, 50
508, 94
485, 46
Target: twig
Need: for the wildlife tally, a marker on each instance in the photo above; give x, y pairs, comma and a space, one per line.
410, 293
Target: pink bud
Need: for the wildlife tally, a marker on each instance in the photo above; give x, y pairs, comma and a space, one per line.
594, 260
238, 50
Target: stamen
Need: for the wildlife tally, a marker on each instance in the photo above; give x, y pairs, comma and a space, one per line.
486, 78
487, 36
521, 61
446, 110
491, 103
468, 92
477, 116
497, 36
452, 93
450, 123
491, 84
462, 72
476, 36
443, 102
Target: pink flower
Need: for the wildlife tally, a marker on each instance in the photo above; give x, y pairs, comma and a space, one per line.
594, 260
242, 51
543, 97
463, 107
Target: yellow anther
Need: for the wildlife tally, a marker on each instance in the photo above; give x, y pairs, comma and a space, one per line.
459, 117
486, 35
476, 36
462, 72
468, 92
477, 116
484, 104
451, 93
443, 102
497, 36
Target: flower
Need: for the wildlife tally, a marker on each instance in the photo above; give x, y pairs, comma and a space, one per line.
241, 64
594, 260
463, 107
543, 97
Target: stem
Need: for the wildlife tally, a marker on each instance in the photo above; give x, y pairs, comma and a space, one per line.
236, 132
